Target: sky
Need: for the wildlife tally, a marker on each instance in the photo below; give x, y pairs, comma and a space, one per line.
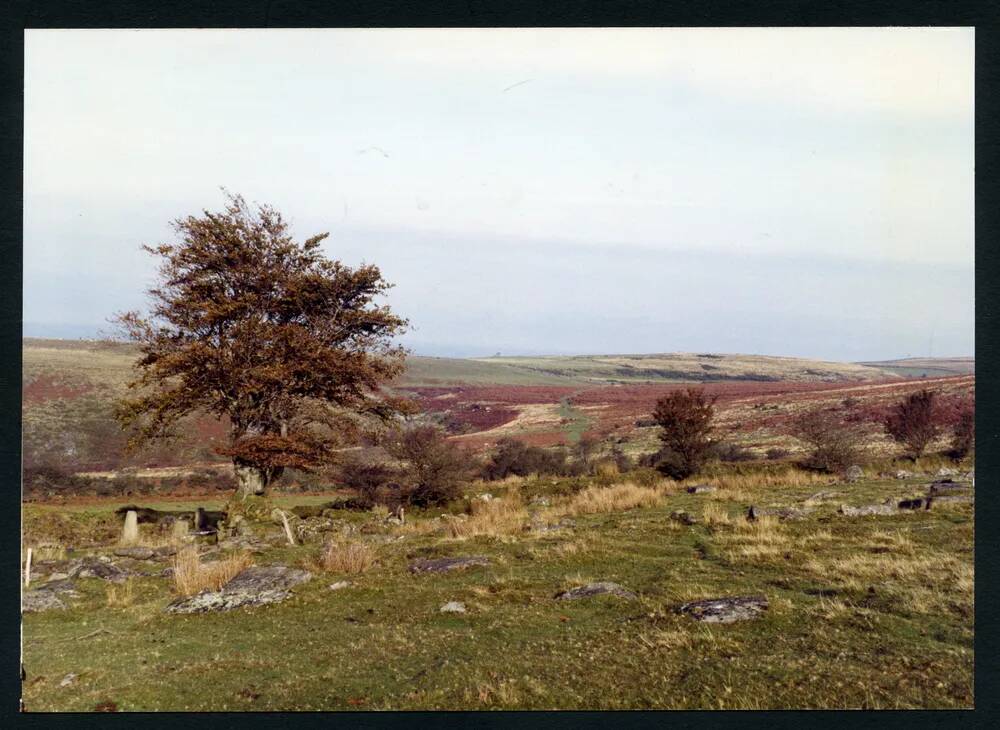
798, 192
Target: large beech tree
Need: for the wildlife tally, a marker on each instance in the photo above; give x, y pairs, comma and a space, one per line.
247, 324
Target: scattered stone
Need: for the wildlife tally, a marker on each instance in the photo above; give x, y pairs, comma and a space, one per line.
452, 607
948, 486
700, 489
167, 572
915, 504
540, 502
966, 498
48, 596
822, 496
101, 568
970, 475
903, 474
854, 473
485, 497
683, 517
595, 589
339, 585
68, 680
135, 552
181, 528
254, 586
782, 513
130, 529
870, 509
441, 565
164, 551
946, 472
725, 610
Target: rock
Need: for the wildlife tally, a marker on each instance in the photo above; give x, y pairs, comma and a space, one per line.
441, 565
683, 517
700, 489
854, 473
254, 586
40, 600
180, 528
870, 509
595, 589
130, 528
135, 552
822, 496
164, 551
58, 576
946, 486
903, 474
101, 568
339, 585
452, 607
540, 502
68, 680
782, 513
970, 475
725, 610
946, 472
966, 498
485, 497
915, 504
167, 572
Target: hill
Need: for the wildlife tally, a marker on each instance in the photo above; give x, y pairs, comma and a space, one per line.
926, 367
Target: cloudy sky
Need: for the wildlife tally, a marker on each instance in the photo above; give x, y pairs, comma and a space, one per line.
802, 192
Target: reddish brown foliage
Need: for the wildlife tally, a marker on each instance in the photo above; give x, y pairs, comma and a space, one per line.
45, 388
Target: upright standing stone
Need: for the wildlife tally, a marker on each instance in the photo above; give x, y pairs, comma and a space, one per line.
130, 532
199, 519
181, 528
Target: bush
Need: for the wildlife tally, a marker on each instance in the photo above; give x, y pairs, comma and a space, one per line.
731, 453
367, 477
963, 436
777, 454
515, 458
685, 418
912, 423
834, 444
434, 468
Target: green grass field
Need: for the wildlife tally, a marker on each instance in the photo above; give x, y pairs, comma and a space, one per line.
870, 612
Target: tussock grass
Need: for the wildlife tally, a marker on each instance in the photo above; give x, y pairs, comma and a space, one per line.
350, 558
121, 595
712, 514
191, 576
769, 479
503, 516
616, 498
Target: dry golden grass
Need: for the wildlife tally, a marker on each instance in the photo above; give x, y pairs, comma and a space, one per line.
788, 477
504, 516
713, 515
350, 558
616, 498
606, 469
192, 576
119, 596
763, 539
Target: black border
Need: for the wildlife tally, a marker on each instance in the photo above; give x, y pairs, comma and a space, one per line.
17, 15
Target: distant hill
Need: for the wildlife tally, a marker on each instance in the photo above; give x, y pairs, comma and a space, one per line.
929, 367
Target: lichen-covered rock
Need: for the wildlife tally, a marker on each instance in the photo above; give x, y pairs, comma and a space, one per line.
782, 513
725, 610
255, 586
854, 473
595, 589
903, 474
946, 472
135, 552
442, 565
700, 489
48, 596
683, 517
452, 607
101, 567
869, 509
947, 486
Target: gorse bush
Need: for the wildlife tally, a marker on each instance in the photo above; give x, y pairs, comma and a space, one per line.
685, 419
515, 458
912, 423
433, 468
834, 444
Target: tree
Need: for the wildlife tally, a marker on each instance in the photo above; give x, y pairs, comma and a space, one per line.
685, 418
434, 467
248, 324
913, 424
963, 435
834, 444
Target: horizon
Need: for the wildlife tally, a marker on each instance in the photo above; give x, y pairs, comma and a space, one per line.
801, 192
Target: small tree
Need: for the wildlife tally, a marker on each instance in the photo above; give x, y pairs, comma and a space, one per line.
434, 467
247, 323
912, 423
834, 445
963, 435
685, 418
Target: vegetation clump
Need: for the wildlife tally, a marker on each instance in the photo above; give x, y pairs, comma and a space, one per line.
913, 423
685, 420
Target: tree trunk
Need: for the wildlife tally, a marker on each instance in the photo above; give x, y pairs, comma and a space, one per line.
252, 480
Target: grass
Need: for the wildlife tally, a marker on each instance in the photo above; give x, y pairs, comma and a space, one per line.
347, 558
192, 576
864, 613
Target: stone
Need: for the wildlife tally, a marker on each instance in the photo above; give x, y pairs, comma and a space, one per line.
700, 489
180, 528
135, 552
725, 610
254, 586
339, 585
442, 565
485, 497
946, 472
452, 607
782, 513
915, 504
58, 576
540, 502
822, 496
870, 509
48, 597
595, 589
164, 551
683, 517
946, 486
130, 529
903, 474
68, 680
854, 473
99, 568
959, 498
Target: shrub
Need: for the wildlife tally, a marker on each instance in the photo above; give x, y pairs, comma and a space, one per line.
370, 478
963, 436
515, 458
912, 423
685, 418
434, 468
731, 453
777, 454
834, 444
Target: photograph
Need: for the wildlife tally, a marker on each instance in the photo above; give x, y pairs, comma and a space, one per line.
513, 368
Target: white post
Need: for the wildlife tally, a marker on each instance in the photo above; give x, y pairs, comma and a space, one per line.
288, 530
130, 531
27, 569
